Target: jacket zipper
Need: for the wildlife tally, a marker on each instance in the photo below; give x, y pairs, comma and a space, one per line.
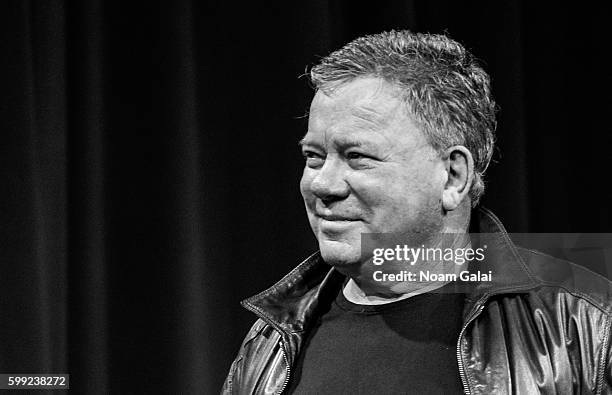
462, 372
259, 313
287, 368
603, 358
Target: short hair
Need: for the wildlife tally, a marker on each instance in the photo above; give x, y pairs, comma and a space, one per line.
447, 92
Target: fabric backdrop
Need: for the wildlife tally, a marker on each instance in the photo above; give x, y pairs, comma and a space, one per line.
150, 167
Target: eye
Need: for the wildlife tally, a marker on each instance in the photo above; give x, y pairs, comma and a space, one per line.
356, 155
313, 159
309, 154
360, 161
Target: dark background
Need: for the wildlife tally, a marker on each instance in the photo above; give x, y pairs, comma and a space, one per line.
149, 164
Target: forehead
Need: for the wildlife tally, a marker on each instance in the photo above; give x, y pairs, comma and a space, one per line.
371, 100
369, 108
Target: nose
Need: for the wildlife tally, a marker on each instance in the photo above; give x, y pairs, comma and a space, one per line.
329, 184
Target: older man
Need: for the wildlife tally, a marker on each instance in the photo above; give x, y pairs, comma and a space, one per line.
400, 133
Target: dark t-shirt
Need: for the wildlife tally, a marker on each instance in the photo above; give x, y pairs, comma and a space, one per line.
404, 347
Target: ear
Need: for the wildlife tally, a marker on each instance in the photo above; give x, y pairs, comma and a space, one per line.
460, 175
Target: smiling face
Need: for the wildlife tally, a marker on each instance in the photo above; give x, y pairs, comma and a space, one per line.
369, 169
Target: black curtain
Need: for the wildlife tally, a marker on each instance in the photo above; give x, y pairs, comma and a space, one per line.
150, 168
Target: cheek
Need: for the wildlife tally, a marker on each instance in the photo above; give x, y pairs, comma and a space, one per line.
426, 186
427, 180
398, 193
368, 188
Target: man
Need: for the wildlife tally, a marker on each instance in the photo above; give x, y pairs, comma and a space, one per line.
400, 133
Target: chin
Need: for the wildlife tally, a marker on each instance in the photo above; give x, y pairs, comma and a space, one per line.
337, 253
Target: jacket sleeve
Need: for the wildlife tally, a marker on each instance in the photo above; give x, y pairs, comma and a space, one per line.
228, 385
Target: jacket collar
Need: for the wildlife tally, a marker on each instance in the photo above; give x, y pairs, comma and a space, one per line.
290, 303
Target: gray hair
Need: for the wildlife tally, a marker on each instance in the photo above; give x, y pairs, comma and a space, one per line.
447, 92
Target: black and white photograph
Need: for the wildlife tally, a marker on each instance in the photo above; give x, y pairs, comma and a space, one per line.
317, 197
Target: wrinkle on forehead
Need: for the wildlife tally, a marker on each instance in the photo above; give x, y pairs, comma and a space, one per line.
369, 116
361, 98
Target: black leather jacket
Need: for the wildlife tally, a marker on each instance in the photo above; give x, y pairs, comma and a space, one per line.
531, 330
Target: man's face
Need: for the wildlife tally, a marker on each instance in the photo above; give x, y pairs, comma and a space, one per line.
369, 169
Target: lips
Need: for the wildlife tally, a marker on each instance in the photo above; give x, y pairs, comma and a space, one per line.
334, 214
335, 217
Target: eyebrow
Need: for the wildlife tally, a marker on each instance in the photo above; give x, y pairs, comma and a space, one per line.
348, 142
307, 142
342, 142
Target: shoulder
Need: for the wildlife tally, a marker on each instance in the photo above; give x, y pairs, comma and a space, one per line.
568, 281
256, 353
259, 332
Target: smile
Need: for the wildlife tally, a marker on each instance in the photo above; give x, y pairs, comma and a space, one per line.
335, 225
337, 219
